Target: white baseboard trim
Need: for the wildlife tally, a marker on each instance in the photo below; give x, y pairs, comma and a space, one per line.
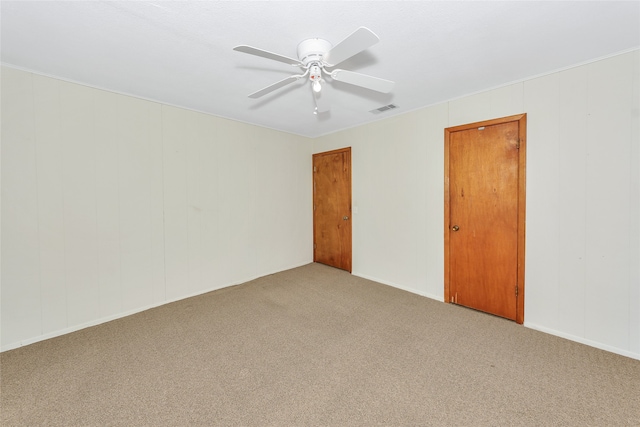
584, 341
99, 321
529, 325
395, 285
78, 327
106, 319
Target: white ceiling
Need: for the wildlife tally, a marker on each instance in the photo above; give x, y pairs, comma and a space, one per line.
180, 53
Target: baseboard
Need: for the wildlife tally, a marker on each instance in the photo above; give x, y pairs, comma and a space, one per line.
79, 327
534, 326
395, 285
106, 319
584, 341
96, 322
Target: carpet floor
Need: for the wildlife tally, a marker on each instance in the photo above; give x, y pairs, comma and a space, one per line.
315, 346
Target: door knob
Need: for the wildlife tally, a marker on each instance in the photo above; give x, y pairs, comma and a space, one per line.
345, 218
455, 228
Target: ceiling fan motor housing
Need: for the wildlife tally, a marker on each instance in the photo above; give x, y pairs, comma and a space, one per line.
313, 50
315, 56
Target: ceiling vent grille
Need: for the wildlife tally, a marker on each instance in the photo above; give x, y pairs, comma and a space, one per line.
383, 109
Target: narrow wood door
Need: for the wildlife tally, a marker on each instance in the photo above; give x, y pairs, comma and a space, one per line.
484, 217
332, 208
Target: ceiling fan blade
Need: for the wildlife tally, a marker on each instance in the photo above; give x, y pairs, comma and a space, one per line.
356, 42
322, 104
266, 54
363, 80
276, 85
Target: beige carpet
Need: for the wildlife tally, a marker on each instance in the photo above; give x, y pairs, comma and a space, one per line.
315, 346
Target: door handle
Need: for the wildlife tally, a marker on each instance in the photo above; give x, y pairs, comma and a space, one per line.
345, 218
455, 228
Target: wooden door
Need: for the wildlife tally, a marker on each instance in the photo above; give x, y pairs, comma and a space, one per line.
484, 216
332, 208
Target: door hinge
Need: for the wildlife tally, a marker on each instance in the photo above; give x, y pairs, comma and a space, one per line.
315, 246
315, 169
516, 290
518, 145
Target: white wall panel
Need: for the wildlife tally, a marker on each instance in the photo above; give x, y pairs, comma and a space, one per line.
470, 109
49, 154
272, 182
108, 203
156, 207
608, 146
435, 120
236, 197
209, 206
379, 210
175, 133
543, 165
134, 189
404, 177
571, 193
506, 100
79, 196
279, 218
634, 201
195, 164
414, 177
496, 103
500, 102
301, 213
21, 297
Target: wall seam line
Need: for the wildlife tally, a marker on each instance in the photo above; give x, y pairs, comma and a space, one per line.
38, 234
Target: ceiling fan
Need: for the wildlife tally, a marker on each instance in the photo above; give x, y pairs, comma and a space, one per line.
317, 57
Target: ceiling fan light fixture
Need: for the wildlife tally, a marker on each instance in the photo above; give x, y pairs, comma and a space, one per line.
316, 54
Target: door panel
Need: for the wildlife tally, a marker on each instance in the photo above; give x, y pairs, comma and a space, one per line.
483, 240
332, 208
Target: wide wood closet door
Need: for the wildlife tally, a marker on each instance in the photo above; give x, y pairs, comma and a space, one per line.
484, 235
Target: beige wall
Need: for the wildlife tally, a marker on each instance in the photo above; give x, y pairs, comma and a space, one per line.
112, 204
583, 198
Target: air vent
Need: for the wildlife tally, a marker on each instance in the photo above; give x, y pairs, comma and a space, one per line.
383, 109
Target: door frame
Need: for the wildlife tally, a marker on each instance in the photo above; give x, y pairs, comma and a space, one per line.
350, 236
522, 140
